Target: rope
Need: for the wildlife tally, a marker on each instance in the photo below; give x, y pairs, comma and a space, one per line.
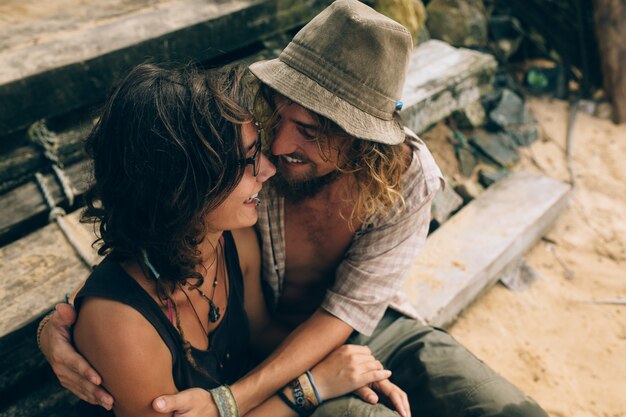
40, 135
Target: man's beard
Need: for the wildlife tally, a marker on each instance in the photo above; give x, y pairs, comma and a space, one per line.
295, 190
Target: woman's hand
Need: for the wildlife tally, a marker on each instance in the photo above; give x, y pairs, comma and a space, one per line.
346, 369
72, 370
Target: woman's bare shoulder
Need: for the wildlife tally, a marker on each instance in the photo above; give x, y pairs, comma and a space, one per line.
127, 351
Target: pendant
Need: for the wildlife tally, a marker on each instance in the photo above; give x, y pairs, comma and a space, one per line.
214, 312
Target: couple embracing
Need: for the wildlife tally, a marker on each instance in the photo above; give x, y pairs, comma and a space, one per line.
257, 229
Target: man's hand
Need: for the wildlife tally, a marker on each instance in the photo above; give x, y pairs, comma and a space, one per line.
193, 402
73, 371
391, 393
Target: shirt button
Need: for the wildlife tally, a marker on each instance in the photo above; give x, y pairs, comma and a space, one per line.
227, 355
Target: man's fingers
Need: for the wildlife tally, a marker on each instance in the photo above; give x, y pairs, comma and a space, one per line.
182, 402
66, 314
367, 394
165, 404
82, 367
400, 404
398, 398
85, 390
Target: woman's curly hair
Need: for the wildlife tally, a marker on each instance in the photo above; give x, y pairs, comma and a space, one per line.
165, 152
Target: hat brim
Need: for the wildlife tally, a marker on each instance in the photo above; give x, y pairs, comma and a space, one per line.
309, 94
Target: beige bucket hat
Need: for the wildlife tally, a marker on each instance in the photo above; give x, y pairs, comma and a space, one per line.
347, 64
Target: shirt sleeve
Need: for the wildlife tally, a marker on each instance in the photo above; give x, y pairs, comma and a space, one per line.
378, 261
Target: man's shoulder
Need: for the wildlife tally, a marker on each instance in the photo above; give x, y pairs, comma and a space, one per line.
423, 178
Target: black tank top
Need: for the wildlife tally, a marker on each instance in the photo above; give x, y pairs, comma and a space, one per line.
227, 358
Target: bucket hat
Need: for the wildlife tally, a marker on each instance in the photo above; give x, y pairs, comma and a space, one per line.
347, 64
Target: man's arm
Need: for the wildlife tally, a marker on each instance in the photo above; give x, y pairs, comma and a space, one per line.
73, 370
299, 352
306, 346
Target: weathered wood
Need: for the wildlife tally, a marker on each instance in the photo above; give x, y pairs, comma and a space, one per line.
441, 80
44, 398
64, 148
26, 206
465, 256
35, 274
610, 24
76, 69
16, 166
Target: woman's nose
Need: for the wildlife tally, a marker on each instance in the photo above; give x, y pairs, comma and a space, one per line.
266, 170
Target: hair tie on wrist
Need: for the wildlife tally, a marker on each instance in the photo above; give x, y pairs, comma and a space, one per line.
315, 391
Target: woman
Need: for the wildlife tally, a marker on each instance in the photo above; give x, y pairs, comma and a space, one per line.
178, 167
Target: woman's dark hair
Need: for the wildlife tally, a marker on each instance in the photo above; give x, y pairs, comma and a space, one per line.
165, 151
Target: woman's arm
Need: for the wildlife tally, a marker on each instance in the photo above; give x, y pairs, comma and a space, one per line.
341, 372
133, 360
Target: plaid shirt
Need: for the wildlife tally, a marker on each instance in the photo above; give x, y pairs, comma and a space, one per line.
370, 276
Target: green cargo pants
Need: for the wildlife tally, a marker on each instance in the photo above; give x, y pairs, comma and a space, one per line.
440, 376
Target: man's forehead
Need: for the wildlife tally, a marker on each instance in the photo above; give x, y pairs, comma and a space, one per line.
302, 115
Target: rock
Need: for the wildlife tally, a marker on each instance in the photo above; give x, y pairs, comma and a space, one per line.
409, 13
604, 110
519, 275
507, 34
468, 190
471, 116
458, 22
486, 178
587, 106
499, 147
445, 203
514, 116
467, 160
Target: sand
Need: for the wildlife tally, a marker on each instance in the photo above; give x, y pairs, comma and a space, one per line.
551, 340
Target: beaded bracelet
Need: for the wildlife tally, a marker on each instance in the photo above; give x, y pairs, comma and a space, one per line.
225, 401
41, 326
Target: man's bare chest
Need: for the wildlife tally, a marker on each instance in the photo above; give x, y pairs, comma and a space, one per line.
316, 240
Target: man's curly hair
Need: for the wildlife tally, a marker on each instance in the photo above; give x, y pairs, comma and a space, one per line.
377, 168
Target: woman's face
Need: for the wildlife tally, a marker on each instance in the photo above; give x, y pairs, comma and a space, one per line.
238, 210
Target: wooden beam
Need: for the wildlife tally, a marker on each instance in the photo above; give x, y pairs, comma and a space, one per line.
72, 70
610, 24
441, 80
466, 255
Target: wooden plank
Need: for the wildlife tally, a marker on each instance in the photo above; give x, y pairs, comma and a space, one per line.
25, 205
77, 68
35, 274
441, 80
466, 254
610, 25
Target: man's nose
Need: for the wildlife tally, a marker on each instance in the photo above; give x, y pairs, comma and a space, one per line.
282, 142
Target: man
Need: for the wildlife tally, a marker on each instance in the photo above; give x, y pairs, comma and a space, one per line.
340, 227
